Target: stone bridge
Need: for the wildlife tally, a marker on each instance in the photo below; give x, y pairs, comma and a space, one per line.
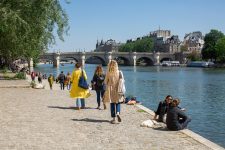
128, 58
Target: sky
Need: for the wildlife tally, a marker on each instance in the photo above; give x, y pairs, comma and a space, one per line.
92, 20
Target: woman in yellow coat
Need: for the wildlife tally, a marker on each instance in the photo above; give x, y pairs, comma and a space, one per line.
76, 92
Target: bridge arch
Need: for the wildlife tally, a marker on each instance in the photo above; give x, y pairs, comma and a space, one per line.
145, 61
166, 59
95, 60
122, 60
68, 58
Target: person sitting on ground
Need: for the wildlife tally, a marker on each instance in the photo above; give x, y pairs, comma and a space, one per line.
162, 108
176, 118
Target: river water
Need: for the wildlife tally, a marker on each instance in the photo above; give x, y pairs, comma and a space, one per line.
201, 91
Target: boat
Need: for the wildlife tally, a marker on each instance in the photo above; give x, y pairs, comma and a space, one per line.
170, 63
203, 64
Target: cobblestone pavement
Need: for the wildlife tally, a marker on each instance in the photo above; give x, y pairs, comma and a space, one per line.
45, 119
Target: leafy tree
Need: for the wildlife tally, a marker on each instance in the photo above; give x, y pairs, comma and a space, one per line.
220, 50
209, 50
141, 45
183, 48
194, 56
27, 27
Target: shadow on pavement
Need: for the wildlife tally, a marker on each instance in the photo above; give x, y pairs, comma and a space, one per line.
74, 108
160, 128
91, 120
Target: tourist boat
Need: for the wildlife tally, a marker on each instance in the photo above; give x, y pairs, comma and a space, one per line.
170, 63
200, 64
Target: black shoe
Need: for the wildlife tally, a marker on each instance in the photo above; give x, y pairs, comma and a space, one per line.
119, 119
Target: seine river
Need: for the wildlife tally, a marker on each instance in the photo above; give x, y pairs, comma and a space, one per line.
201, 91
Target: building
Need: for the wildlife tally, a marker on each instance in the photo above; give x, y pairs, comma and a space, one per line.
108, 46
164, 42
194, 41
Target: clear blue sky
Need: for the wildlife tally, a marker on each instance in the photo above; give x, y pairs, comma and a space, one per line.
120, 20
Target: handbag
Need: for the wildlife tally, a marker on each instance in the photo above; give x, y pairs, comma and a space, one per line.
83, 82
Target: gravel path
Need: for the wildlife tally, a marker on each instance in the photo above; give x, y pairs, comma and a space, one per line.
45, 119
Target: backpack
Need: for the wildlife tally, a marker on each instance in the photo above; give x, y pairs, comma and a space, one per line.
100, 80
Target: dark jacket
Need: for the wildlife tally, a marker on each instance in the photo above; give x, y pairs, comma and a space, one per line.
98, 82
161, 110
174, 116
61, 78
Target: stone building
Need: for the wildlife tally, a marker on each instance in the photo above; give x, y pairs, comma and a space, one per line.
164, 42
108, 46
194, 41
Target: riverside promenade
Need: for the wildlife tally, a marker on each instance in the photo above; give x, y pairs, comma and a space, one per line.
43, 119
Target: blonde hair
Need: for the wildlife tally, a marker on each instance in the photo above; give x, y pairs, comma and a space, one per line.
99, 70
112, 67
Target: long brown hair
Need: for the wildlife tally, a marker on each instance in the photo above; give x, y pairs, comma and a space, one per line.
99, 70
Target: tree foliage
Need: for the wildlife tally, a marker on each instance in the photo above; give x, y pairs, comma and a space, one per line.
184, 48
209, 49
194, 56
27, 27
220, 50
141, 45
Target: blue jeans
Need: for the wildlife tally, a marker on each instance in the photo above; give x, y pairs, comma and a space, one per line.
68, 86
115, 108
80, 102
100, 94
62, 85
184, 124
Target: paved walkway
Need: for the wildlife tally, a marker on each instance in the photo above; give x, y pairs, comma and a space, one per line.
44, 119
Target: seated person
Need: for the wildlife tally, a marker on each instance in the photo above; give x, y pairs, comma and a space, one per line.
176, 118
162, 108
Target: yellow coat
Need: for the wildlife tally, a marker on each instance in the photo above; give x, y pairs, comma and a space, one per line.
77, 92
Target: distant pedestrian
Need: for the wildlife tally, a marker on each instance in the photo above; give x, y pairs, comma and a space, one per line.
61, 79
98, 83
33, 76
68, 81
77, 92
50, 81
39, 77
111, 94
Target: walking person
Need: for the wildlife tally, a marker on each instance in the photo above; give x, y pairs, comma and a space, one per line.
111, 94
98, 83
77, 92
39, 77
68, 81
33, 76
50, 81
61, 79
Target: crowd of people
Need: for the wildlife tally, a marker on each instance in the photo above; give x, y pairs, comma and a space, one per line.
110, 88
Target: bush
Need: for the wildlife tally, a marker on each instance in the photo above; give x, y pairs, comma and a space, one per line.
20, 75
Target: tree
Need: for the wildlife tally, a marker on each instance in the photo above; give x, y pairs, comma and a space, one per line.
194, 56
220, 50
209, 50
183, 48
27, 27
141, 45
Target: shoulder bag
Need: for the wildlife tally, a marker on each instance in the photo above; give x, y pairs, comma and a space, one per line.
83, 82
